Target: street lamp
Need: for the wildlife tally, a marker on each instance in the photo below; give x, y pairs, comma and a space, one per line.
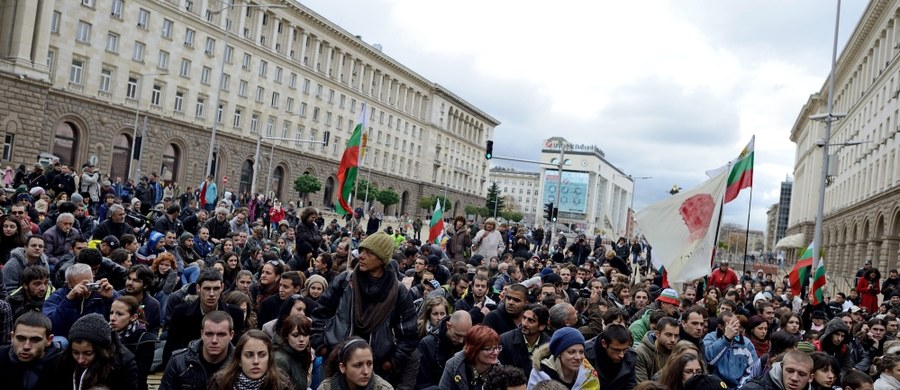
137, 115
212, 137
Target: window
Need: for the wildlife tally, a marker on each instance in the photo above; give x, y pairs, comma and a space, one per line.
7, 146
330, 96
170, 159
260, 91
112, 42
162, 62
89, 3
245, 63
189, 37
340, 122
210, 46
179, 101
302, 109
319, 91
106, 76
201, 102
299, 135
315, 116
83, 33
229, 53
352, 105
270, 127
185, 68
278, 72
290, 104
306, 86
328, 118
275, 98
156, 94
220, 112
167, 28
138, 52
293, 81
285, 128
204, 75
237, 117
343, 98
54, 21
131, 90
143, 19
226, 80
189, 5
242, 88
76, 72
254, 123
263, 65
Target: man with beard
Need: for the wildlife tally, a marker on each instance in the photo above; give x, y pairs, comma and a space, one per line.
613, 358
139, 278
34, 285
655, 348
506, 318
437, 348
454, 292
218, 227
518, 344
114, 225
476, 301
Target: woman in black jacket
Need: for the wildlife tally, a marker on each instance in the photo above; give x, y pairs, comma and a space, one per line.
95, 357
126, 320
307, 231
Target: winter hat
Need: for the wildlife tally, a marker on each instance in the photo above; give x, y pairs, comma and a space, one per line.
546, 271
551, 278
434, 260
760, 296
36, 191
563, 339
111, 241
806, 346
76, 198
705, 382
476, 259
24, 196
380, 244
435, 284
654, 291
185, 236
92, 327
669, 296
317, 279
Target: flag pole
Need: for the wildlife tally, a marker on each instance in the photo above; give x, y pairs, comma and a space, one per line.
747, 230
362, 136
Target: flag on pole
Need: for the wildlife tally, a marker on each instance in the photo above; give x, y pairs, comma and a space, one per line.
741, 175
682, 229
800, 273
817, 293
436, 227
349, 167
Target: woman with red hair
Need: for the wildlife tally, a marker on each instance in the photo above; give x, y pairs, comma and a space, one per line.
467, 368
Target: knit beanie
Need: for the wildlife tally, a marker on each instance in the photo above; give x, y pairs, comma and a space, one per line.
77, 198
705, 382
317, 279
381, 244
806, 346
91, 327
563, 339
669, 296
185, 236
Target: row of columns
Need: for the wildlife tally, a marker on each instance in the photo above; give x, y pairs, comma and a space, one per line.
25, 32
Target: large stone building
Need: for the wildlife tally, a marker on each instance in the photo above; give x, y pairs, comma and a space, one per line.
519, 190
862, 199
595, 195
73, 73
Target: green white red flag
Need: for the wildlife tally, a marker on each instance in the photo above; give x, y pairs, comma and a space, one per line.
349, 167
741, 175
817, 293
800, 273
436, 227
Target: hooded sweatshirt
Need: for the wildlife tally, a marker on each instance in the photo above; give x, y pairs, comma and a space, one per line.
840, 352
548, 367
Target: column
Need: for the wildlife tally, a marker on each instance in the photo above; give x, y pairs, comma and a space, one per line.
304, 40
342, 71
42, 33
257, 24
292, 43
20, 30
329, 53
241, 20
315, 57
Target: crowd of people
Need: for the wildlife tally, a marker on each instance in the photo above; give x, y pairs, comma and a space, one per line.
99, 292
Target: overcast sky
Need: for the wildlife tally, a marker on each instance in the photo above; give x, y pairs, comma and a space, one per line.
666, 89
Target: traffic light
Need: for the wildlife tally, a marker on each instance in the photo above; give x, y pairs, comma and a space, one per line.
489, 150
548, 211
555, 214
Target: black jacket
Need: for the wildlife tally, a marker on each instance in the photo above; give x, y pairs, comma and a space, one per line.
124, 374
625, 379
499, 321
515, 352
186, 322
434, 350
163, 224
108, 228
185, 370
217, 230
20, 304
40, 375
142, 344
268, 309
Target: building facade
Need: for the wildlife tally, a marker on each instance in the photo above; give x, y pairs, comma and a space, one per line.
784, 212
595, 195
771, 226
74, 74
519, 191
862, 198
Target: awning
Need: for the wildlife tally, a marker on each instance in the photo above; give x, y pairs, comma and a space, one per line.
793, 241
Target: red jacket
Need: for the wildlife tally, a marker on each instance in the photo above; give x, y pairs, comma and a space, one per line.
722, 280
276, 214
868, 294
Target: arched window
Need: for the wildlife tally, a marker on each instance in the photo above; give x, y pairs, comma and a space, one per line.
170, 159
65, 144
277, 179
328, 199
121, 157
246, 176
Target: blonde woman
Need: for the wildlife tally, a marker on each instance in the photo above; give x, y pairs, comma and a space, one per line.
489, 241
431, 313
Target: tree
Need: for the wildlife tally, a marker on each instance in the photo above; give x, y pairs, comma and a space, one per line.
494, 200
512, 216
366, 190
428, 203
307, 184
387, 197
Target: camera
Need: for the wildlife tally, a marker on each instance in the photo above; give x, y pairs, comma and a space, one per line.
584, 293
93, 286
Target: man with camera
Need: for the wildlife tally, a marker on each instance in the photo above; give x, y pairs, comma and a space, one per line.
80, 296
579, 250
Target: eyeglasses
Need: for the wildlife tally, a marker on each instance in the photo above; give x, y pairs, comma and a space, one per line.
688, 371
497, 348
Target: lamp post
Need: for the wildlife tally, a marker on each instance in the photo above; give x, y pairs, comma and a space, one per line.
137, 116
212, 137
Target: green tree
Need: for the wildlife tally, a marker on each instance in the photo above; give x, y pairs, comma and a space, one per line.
387, 197
494, 200
366, 190
471, 210
514, 216
428, 203
307, 184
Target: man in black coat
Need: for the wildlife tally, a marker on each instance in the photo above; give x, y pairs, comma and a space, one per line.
187, 318
614, 359
289, 284
192, 367
438, 347
509, 315
32, 359
519, 343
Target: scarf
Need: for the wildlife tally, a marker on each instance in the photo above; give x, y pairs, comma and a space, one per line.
380, 296
761, 346
339, 382
245, 383
130, 330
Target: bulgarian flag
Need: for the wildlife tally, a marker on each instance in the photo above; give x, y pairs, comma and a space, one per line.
817, 295
437, 224
741, 175
346, 175
800, 273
